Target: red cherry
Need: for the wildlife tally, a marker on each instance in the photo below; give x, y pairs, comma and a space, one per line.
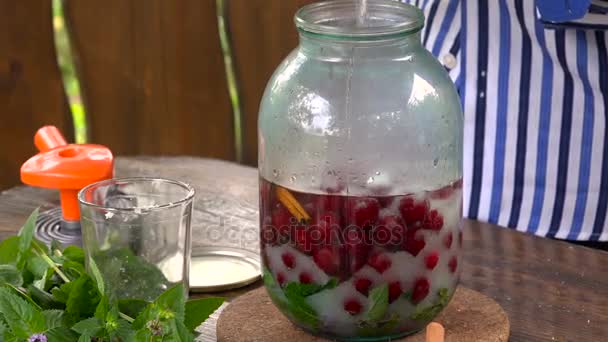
281, 216
328, 204
327, 260
362, 285
431, 260
288, 260
433, 221
396, 230
362, 212
305, 278
281, 278
394, 291
412, 210
325, 230
352, 306
413, 244
302, 239
355, 248
448, 240
381, 235
356, 256
385, 201
380, 262
453, 264
420, 291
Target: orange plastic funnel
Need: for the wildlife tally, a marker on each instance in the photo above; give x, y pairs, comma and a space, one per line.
67, 168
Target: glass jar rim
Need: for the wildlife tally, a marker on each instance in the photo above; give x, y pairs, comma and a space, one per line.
337, 19
187, 196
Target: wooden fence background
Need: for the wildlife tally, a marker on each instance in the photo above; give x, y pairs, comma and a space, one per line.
152, 74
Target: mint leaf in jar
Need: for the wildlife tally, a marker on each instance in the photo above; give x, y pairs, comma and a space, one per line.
298, 307
428, 313
306, 290
378, 298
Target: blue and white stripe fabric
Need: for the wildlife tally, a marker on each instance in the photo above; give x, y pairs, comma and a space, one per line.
535, 99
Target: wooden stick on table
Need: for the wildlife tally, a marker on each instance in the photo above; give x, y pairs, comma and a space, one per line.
435, 332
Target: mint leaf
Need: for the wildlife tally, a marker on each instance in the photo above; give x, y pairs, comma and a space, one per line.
428, 313
9, 249
129, 276
133, 307
62, 293
17, 291
174, 300
37, 266
274, 290
310, 289
169, 305
26, 236
11, 275
75, 254
84, 338
198, 310
180, 333
3, 327
53, 318
122, 330
298, 306
102, 308
22, 318
82, 300
91, 326
378, 298
72, 269
43, 298
96, 275
61, 334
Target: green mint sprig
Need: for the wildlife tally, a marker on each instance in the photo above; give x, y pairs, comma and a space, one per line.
47, 295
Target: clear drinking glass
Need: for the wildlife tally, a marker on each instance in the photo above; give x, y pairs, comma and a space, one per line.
360, 160
137, 231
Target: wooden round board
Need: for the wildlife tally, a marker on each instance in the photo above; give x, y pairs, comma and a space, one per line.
470, 316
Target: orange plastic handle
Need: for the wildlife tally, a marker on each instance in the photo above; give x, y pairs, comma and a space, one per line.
67, 168
47, 138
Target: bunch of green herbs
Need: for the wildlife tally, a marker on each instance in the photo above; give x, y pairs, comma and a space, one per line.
47, 295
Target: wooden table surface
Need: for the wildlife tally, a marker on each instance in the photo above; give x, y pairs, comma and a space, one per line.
551, 290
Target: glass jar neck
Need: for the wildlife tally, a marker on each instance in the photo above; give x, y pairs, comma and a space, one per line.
332, 47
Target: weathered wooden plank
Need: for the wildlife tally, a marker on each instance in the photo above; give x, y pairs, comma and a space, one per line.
262, 34
153, 76
31, 91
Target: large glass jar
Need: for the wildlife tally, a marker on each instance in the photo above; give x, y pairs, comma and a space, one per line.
360, 144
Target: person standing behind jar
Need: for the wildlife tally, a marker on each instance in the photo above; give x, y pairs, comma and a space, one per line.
533, 81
